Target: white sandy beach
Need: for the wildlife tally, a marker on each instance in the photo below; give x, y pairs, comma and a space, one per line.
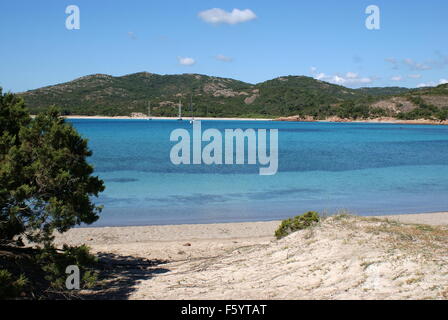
386, 120
395, 257
141, 117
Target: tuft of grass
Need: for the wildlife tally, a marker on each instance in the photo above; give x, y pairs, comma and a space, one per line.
413, 280
366, 264
299, 222
414, 237
423, 227
342, 216
445, 293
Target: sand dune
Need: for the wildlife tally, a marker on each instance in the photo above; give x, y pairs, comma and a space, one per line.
343, 257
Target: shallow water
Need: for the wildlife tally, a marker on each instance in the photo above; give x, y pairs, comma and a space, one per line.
367, 169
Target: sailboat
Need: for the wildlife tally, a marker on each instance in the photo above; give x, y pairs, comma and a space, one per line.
180, 111
149, 110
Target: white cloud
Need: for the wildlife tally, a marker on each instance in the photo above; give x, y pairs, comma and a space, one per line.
132, 35
320, 76
352, 75
185, 61
393, 62
415, 76
348, 79
427, 84
217, 16
223, 58
397, 78
415, 65
439, 62
432, 83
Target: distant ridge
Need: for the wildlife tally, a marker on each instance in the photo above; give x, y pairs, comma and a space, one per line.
102, 94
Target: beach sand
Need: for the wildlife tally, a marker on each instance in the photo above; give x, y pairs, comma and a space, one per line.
140, 117
385, 120
343, 257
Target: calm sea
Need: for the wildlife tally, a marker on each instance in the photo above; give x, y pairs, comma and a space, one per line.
367, 169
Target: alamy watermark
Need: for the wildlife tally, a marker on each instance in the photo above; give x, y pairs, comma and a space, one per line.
188, 150
373, 21
73, 21
73, 279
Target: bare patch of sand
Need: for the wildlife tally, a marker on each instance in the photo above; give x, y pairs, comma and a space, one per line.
436, 218
343, 257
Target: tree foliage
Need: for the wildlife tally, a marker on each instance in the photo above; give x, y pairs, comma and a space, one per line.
46, 183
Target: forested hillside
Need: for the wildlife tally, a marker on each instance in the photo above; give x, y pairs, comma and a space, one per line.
102, 94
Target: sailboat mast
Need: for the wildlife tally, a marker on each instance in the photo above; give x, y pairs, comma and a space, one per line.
180, 109
149, 110
191, 106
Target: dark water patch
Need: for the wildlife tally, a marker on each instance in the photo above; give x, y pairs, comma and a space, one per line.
108, 200
121, 180
204, 198
196, 198
274, 194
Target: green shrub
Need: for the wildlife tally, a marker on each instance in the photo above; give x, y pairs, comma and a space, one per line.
297, 223
10, 287
54, 265
39, 273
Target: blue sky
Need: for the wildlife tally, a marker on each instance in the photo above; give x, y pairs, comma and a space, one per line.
325, 39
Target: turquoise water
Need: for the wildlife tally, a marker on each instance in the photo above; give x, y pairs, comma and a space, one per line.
368, 169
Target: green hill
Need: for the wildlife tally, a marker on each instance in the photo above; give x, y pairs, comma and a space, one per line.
101, 94
378, 91
423, 103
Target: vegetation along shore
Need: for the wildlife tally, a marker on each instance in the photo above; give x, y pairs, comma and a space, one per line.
298, 97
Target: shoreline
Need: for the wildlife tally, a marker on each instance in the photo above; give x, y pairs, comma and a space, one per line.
383, 120
162, 118
419, 216
210, 231
280, 119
